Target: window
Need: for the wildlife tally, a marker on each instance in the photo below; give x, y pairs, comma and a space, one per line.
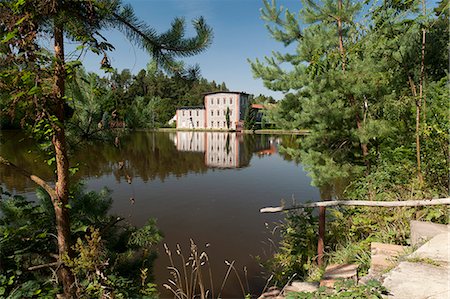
190, 113
198, 124
218, 124
197, 112
224, 101
183, 112
231, 101
212, 112
218, 112
218, 101
224, 124
231, 112
212, 101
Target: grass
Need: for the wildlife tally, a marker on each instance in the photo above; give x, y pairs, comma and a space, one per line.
193, 276
424, 261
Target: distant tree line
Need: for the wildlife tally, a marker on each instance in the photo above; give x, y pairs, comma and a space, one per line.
144, 100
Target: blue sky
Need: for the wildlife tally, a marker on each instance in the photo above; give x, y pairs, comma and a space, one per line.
239, 34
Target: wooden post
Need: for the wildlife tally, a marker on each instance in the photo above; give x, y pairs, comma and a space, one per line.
321, 241
323, 204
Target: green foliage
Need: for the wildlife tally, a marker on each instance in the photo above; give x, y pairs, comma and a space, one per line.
141, 113
345, 289
382, 52
297, 248
109, 254
354, 80
146, 100
250, 118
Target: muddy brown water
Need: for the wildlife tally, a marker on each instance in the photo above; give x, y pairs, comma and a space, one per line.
204, 186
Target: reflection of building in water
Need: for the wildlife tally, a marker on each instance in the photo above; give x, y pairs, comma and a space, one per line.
270, 151
190, 141
223, 150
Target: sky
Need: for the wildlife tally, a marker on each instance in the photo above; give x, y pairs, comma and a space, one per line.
239, 34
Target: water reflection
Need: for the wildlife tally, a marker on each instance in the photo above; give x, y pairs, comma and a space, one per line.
223, 150
177, 178
144, 155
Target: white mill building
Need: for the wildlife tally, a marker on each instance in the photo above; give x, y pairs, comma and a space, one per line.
213, 115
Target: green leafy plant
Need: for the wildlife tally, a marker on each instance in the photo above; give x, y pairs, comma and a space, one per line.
108, 255
344, 289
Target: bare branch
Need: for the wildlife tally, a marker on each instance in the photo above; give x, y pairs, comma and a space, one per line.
367, 203
40, 182
33, 268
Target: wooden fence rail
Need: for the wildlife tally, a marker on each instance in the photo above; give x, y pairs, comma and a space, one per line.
366, 203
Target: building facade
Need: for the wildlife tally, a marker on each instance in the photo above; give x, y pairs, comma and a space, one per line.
223, 110
191, 117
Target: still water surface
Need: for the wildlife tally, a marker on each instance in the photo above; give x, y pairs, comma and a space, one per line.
205, 186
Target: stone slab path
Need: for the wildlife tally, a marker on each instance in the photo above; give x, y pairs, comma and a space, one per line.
424, 274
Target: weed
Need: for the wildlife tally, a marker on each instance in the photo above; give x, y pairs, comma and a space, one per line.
424, 261
344, 289
193, 275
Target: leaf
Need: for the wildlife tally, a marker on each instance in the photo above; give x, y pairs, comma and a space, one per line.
73, 170
20, 21
42, 235
50, 161
82, 228
33, 90
10, 35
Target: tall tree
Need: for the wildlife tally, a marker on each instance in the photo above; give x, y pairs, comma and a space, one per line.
36, 79
354, 75
321, 73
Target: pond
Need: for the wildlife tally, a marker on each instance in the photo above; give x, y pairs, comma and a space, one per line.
204, 186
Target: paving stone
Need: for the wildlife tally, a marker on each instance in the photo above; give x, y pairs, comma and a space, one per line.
419, 281
384, 256
339, 271
300, 286
422, 231
428, 276
437, 249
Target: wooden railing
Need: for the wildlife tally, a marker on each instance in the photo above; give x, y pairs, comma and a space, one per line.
366, 203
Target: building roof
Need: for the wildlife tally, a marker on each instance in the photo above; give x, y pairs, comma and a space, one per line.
191, 107
231, 92
257, 106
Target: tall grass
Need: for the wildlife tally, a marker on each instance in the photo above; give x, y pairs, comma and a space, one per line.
192, 274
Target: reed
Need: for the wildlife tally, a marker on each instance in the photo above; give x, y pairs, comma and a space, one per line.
192, 274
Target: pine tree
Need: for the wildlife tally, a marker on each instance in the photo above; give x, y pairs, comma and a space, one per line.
354, 78
43, 76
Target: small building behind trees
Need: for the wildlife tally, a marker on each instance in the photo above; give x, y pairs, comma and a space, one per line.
222, 110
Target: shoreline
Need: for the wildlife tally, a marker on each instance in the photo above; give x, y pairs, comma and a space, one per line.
260, 132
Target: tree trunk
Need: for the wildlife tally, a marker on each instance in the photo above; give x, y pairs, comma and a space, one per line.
418, 106
364, 148
61, 199
321, 240
341, 39
421, 99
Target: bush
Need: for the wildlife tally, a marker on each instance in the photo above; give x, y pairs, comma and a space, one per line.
111, 257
